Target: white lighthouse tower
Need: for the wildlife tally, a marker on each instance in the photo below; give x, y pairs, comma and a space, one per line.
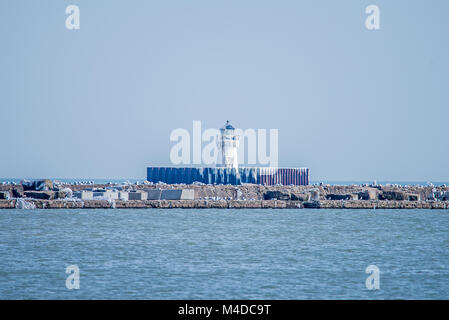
228, 142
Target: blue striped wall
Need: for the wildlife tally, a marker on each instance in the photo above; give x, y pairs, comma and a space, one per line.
259, 175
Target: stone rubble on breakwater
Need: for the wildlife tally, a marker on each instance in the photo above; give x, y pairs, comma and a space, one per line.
219, 204
48, 195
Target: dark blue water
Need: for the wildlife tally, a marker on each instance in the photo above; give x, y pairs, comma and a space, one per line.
224, 254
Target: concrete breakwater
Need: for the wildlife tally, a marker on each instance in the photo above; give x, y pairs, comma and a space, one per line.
46, 194
219, 204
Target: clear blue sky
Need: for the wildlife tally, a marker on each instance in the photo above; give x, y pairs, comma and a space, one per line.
349, 103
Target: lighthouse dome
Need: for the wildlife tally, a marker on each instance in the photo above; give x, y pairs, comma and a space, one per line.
228, 126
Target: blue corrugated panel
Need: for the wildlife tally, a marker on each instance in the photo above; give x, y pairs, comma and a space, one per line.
260, 175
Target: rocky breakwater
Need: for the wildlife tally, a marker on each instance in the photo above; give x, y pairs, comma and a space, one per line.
46, 194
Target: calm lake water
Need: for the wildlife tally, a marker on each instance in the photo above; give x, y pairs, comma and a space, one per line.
224, 254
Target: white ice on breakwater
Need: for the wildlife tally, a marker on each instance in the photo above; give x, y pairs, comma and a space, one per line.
22, 204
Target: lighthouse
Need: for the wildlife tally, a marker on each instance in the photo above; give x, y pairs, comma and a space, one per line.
228, 143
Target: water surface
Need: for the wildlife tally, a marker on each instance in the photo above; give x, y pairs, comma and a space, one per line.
224, 254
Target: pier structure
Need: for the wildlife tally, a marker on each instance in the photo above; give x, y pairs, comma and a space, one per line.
228, 171
147, 195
